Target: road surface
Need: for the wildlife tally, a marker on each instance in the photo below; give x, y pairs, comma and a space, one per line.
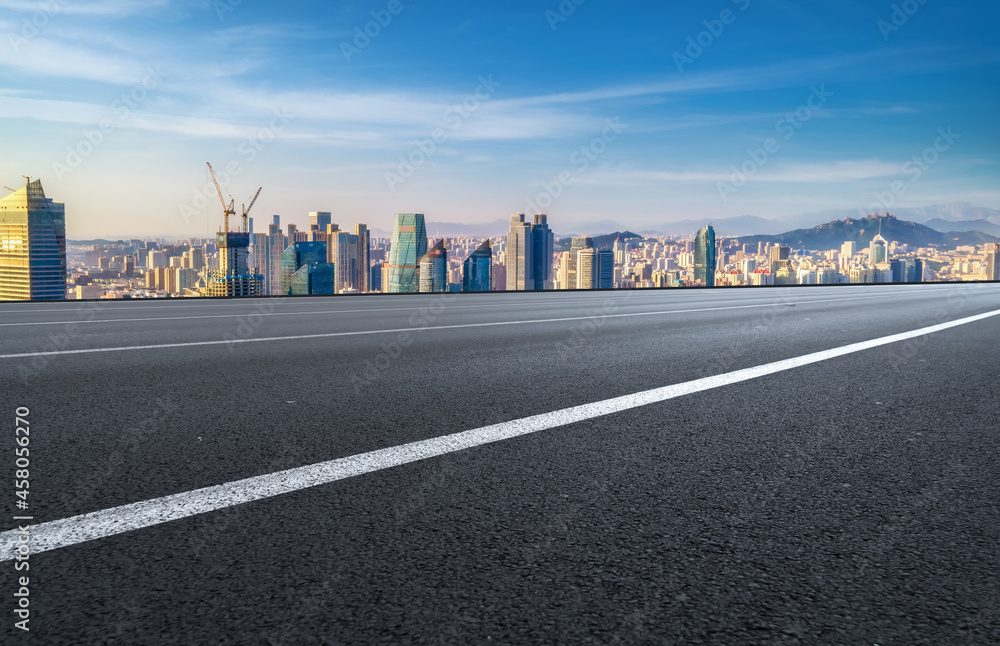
763, 466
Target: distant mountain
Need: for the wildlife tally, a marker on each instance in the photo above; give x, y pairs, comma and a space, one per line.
833, 234
600, 242
939, 224
953, 212
595, 228
753, 225
739, 225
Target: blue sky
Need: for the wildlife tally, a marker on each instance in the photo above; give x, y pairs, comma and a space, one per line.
292, 98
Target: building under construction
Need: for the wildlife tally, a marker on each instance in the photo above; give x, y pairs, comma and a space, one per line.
235, 277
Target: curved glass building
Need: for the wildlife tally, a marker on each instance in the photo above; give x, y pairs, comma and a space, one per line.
409, 244
434, 269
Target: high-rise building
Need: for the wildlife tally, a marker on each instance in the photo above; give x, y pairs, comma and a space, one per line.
543, 246
519, 259
32, 246
318, 220
342, 253
848, 249
305, 271
586, 268
434, 269
576, 244
408, 246
260, 258
993, 263
277, 243
704, 257
605, 269
878, 252
619, 251
235, 277
476, 270
363, 283
781, 265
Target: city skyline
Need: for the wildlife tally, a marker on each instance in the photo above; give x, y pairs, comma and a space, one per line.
871, 109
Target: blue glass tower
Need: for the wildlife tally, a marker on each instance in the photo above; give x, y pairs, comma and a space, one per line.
305, 271
605, 269
477, 269
409, 244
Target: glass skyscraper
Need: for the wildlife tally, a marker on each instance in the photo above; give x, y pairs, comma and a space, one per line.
605, 269
305, 271
32, 246
878, 252
477, 269
543, 246
409, 244
434, 269
704, 257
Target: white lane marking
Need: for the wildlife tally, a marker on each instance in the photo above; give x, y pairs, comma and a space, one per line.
118, 520
329, 335
256, 312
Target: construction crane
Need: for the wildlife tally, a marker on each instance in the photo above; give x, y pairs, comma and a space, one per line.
227, 209
246, 210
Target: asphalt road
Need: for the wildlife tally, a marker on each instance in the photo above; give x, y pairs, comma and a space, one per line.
850, 501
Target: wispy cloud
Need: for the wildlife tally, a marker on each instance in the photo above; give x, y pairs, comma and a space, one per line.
85, 7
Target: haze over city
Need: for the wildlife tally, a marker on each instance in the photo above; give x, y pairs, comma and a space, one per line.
495, 108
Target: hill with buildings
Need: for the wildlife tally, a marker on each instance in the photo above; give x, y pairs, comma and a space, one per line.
833, 234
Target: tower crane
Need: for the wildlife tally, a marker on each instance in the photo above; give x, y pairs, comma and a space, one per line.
227, 209
246, 210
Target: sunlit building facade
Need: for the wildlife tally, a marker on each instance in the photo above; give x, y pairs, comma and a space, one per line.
32, 246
